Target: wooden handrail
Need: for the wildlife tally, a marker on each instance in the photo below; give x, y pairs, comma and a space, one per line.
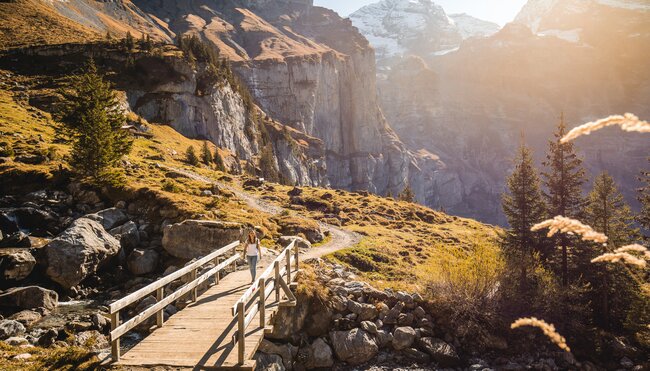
149, 289
260, 290
117, 329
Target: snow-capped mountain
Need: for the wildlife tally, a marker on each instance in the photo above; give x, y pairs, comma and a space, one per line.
469, 26
567, 19
421, 27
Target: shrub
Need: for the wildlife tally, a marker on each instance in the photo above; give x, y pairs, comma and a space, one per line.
171, 186
191, 157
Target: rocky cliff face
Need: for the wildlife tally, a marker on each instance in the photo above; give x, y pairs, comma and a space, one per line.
305, 67
470, 106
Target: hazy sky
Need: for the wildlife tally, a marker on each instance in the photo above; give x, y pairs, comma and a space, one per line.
499, 11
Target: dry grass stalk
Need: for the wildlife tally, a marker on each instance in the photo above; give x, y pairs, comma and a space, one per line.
635, 248
570, 226
627, 122
620, 256
548, 329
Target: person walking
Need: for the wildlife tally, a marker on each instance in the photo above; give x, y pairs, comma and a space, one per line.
253, 253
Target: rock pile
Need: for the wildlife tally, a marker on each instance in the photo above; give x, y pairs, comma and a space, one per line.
357, 324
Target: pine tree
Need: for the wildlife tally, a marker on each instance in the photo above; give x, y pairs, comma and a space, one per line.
129, 42
218, 160
191, 157
206, 155
92, 120
563, 177
608, 213
267, 164
644, 199
407, 194
523, 207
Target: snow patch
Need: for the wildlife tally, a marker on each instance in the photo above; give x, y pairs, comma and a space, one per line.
567, 35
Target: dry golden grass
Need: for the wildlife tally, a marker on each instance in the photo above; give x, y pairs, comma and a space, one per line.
547, 329
53, 359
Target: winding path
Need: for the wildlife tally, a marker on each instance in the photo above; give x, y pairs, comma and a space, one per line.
340, 238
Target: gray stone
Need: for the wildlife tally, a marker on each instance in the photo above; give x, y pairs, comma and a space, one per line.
99, 321
285, 351
268, 362
128, 235
196, 238
78, 252
384, 338
441, 352
92, 339
403, 337
300, 242
365, 312
26, 317
16, 341
29, 297
109, 218
416, 355
141, 262
16, 264
354, 347
10, 328
320, 355
369, 326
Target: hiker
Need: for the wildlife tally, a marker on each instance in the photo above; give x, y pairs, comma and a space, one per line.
253, 252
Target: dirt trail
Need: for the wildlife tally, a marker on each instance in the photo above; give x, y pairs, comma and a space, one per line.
340, 238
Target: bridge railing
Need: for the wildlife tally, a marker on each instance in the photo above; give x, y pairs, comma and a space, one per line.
254, 300
162, 301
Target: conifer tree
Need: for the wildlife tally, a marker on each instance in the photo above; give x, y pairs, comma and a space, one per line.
206, 155
644, 199
523, 207
92, 120
267, 164
608, 213
191, 157
407, 194
218, 160
563, 177
129, 42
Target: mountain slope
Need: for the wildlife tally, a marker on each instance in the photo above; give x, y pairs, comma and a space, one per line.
470, 106
305, 66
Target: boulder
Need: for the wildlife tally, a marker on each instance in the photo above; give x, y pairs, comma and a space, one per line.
365, 312
78, 252
26, 317
196, 238
442, 353
16, 264
268, 362
109, 218
93, 340
10, 328
128, 235
369, 326
403, 337
29, 297
16, 239
300, 242
384, 338
285, 351
142, 262
319, 355
354, 347
37, 222
416, 355
16, 341
48, 338
288, 322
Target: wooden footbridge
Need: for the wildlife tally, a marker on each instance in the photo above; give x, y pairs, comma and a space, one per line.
224, 322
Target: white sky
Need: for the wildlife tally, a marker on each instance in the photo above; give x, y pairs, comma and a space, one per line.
499, 11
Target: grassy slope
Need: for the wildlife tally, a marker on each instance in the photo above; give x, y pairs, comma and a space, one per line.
29, 22
402, 246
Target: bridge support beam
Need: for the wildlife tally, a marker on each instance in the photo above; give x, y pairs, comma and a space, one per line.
241, 338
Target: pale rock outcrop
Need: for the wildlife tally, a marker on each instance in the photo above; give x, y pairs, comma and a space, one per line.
196, 238
16, 264
354, 347
10, 328
29, 297
79, 251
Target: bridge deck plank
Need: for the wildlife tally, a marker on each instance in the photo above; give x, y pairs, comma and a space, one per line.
202, 333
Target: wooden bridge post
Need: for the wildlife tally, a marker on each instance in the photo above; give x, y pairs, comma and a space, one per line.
160, 317
262, 294
288, 267
241, 338
297, 252
218, 275
276, 282
115, 343
195, 290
